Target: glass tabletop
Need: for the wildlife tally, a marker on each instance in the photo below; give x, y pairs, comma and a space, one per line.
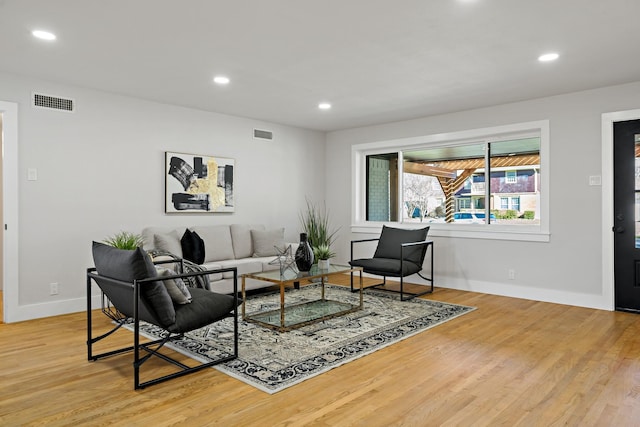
291, 275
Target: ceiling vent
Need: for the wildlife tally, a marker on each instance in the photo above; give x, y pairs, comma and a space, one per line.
267, 135
52, 102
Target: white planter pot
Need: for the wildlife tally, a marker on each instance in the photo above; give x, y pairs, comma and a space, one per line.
323, 264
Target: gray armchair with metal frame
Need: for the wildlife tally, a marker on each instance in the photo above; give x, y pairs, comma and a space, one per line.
134, 293
400, 253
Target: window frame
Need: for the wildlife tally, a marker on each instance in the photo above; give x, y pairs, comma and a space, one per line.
504, 202
539, 232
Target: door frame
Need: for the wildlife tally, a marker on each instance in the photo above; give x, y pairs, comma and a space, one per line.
10, 291
608, 276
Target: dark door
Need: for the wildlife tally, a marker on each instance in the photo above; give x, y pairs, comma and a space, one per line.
626, 193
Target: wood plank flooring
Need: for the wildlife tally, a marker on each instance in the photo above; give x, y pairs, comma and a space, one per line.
511, 362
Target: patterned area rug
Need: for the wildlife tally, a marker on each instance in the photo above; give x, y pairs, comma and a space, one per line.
272, 361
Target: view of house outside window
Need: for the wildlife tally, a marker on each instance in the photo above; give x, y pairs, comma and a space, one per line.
455, 184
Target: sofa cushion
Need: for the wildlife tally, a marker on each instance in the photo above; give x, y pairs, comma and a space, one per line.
213, 277
168, 242
241, 237
178, 291
266, 241
217, 242
269, 263
127, 266
193, 248
244, 266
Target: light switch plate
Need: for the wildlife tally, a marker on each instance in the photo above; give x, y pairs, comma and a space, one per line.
32, 174
595, 180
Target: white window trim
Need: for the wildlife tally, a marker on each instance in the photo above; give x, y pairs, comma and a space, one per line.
503, 199
535, 233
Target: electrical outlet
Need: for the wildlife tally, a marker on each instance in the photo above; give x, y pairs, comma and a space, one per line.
53, 289
512, 274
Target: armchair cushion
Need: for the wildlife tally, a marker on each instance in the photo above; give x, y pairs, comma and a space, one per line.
127, 266
392, 238
206, 307
386, 267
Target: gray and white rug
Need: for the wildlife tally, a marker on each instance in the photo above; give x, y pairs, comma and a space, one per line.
272, 361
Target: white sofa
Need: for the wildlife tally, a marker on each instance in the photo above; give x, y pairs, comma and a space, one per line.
250, 248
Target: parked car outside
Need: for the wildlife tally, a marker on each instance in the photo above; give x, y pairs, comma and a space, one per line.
471, 217
464, 218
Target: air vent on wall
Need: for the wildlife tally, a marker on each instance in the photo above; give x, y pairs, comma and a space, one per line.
263, 134
52, 102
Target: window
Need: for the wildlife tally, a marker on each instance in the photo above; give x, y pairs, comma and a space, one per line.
494, 174
462, 174
515, 203
464, 204
382, 178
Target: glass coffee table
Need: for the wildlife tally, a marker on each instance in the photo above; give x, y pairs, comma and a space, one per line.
292, 316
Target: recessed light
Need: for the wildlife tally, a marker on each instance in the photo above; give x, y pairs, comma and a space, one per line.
548, 57
324, 106
44, 35
221, 80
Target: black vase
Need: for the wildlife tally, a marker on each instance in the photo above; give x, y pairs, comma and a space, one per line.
304, 254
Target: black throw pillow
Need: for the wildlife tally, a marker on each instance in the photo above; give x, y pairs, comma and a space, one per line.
192, 247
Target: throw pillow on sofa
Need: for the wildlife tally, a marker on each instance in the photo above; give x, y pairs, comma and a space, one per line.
168, 242
192, 247
266, 241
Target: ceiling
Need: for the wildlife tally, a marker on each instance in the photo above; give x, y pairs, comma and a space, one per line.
375, 61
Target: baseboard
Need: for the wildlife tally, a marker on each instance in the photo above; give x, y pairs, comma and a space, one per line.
598, 302
526, 292
48, 309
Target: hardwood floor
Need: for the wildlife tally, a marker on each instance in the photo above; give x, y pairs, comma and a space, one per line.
510, 362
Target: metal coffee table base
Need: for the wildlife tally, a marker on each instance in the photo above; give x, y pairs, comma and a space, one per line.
293, 316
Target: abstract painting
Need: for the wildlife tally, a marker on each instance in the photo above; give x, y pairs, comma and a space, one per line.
197, 183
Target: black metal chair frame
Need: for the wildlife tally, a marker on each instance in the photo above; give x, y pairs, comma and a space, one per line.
152, 348
427, 243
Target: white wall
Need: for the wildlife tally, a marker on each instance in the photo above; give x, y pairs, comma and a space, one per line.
101, 170
568, 269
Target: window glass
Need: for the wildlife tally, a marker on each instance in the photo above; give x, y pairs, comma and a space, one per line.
515, 203
449, 174
637, 192
515, 181
382, 187
423, 198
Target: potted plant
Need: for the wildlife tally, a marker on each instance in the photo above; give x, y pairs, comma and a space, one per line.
125, 240
315, 223
323, 254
